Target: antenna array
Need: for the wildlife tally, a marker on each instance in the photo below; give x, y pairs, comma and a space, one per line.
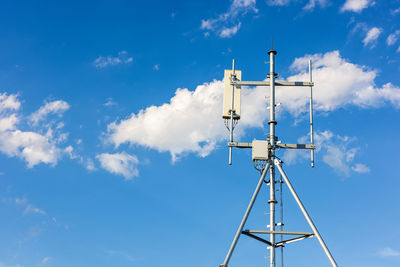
265, 160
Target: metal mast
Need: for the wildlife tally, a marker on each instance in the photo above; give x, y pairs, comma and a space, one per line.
272, 201
265, 160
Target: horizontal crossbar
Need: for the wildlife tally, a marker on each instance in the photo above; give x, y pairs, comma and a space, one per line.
281, 243
267, 83
289, 146
277, 232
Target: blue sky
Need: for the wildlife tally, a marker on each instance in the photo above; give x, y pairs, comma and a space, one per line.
113, 150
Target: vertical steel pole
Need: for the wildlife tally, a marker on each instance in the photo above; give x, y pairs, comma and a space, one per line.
311, 115
272, 123
246, 215
232, 108
305, 213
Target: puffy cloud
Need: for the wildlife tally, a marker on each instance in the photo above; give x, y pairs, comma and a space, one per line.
122, 58
338, 83
389, 252
227, 24
34, 147
336, 151
356, 5
372, 36
120, 164
392, 38
54, 107
191, 121
9, 102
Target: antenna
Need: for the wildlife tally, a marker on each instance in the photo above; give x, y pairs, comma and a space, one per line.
265, 161
311, 115
231, 104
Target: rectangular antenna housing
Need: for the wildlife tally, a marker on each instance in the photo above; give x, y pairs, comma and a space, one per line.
259, 150
227, 105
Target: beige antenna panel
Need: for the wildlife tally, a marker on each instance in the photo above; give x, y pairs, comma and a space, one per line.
228, 95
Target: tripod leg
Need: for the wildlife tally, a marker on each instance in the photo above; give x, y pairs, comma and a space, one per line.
310, 222
246, 215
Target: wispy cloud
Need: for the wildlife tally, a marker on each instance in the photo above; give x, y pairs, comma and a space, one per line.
313, 3
122, 254
389, 252
356, 5
278, 2
372, 37
122, 58
28, 207
54, 107
393, 37
338, 152
360, 168
120, 164
45, 260
228, 24
109, 102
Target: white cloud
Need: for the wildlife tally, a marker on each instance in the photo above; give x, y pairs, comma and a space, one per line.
395, 11
338, 83
32, 146
336, 151
109, 102
372, 36
191, 121
54, 107
278, 2
227, 24
313, 3
229, 32
122, 58
156, 67
120, 164
29, 208
360, 168
389, 252
393, 37
356, 5
9, 102
45, 260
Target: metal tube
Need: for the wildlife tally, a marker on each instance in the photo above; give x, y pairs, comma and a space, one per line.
304, 211
311, 115
272, 123
246, 215
272, 202
232, 108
